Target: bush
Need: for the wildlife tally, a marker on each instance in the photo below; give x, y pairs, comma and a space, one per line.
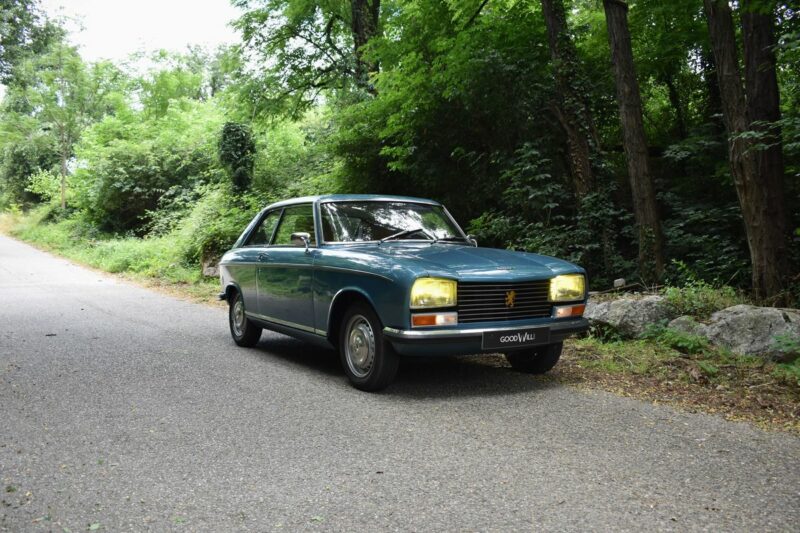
699, 298
215, 222
677, 340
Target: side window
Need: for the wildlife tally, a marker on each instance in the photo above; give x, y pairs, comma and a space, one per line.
295, 219
263, 233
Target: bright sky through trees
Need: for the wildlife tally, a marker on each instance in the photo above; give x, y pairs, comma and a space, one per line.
113, 29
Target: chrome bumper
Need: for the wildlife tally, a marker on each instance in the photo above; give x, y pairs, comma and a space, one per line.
558, 331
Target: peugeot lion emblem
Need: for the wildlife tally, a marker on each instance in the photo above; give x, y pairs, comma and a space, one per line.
511, 296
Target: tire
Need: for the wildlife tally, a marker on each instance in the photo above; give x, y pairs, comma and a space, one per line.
536, 361
243, 331
367, 358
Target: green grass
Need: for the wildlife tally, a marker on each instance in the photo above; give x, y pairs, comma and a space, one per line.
157, 260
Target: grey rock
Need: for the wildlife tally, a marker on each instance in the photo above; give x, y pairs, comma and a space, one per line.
630, 317
689, 325
211, 268
751, 330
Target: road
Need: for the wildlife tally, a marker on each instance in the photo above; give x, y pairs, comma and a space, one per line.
123, 409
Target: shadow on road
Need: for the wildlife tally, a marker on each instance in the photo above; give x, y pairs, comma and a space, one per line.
419, 377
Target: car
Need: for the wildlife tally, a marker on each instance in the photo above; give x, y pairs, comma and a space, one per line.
383, 277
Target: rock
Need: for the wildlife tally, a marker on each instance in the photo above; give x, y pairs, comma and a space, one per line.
751, 330
688, 325
211, 268
630, 317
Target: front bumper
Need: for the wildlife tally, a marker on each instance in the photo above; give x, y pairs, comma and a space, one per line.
464, 341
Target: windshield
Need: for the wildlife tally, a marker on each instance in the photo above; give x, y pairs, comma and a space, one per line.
374, 221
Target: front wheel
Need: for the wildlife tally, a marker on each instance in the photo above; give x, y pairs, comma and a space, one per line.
243, 331
368, 359
537, 360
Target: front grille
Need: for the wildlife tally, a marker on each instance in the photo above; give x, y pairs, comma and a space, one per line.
483, 302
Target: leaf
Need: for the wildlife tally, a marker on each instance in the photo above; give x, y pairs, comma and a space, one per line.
93, 527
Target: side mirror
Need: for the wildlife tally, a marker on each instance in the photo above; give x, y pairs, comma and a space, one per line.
472, 241
301, 238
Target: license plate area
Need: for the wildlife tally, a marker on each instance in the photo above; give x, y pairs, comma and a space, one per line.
515, 338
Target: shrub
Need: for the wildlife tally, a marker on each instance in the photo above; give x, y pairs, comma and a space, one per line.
699, 298
677, 340
215, 222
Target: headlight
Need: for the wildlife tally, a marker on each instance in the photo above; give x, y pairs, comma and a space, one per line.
567, 288
433, 292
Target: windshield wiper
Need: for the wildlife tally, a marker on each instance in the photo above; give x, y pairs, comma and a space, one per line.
408, 232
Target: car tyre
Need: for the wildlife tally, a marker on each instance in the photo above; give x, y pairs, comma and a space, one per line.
243, 331
367, 357
536, 361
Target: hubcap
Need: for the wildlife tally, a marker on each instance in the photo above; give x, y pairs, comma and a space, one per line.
237, 317
360, 346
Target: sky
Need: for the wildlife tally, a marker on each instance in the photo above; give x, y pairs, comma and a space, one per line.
114, 29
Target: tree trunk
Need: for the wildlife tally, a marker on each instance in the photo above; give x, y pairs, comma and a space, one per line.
572, 112
651, 256
365, 18
763, 114
63, 181
757, 194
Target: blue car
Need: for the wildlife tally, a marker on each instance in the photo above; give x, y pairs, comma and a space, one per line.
382, 277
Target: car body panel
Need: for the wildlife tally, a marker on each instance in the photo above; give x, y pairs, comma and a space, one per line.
294, 290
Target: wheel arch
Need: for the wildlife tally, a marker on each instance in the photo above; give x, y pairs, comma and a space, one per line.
230, 290
339, 305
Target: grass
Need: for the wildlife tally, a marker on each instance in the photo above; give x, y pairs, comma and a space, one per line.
701, 378
156, 262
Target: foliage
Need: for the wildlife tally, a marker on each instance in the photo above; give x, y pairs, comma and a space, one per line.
677, 340
214, 223
236, 153
698, 298
44, 184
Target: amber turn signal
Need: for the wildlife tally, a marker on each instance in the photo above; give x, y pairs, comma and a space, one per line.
434, 319
568, 310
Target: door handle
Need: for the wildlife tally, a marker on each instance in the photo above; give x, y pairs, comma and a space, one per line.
263, 256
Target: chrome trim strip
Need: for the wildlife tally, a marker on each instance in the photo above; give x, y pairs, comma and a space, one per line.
445, 333
286, 323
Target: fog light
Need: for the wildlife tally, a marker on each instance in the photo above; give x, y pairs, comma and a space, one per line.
434, 319
568, 310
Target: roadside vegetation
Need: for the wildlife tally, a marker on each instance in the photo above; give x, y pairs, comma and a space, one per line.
508, 112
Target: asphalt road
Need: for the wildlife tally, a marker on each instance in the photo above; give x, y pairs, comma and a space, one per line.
122, 409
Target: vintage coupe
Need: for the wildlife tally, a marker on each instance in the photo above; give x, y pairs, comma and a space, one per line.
378, 277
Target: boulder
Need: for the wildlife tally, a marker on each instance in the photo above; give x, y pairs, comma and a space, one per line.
688, 325
629, 316
211, 268
751, 330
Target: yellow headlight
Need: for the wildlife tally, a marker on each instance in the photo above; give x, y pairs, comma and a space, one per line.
433, 292
567, 288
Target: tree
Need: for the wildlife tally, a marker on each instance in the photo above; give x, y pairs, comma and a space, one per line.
651, 256
64, 99
23, 32
757, 170
572, 111
306, 47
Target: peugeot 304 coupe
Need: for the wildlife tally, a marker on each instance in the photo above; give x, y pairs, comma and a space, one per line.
383, 277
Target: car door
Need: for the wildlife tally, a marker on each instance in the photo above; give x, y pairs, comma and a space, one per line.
245, 268
286, 274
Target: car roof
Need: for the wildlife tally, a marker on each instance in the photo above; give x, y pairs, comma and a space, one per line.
350, 198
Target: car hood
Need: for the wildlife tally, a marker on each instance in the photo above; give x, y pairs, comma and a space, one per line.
470, 263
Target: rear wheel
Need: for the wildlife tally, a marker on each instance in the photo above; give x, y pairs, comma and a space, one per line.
243, 331
368, 359
537, 360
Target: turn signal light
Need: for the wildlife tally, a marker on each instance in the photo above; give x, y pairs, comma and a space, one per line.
568, 310
434, 319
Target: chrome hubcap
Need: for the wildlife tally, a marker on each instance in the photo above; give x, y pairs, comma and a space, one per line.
238, 318
360, 346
